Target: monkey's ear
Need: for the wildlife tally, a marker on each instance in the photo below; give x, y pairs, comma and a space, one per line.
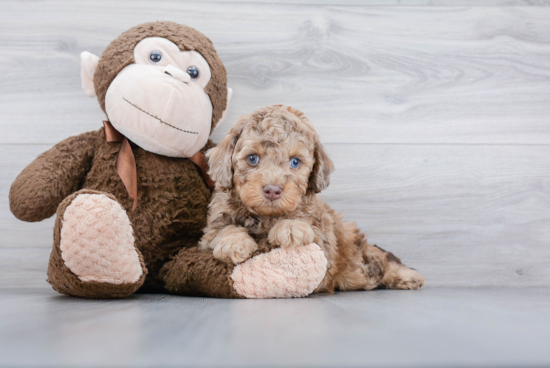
88, 63
220, 158
319, 178
224, 114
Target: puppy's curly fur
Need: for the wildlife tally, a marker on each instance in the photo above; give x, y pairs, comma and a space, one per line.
242, 215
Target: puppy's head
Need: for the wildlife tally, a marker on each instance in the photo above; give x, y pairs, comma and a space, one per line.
271, 159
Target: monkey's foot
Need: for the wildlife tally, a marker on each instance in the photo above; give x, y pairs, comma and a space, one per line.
281, 273
94, 253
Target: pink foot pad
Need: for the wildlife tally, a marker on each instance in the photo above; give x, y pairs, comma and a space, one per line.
281, 273
97, 242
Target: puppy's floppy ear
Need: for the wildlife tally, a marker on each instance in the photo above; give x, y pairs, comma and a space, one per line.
220, 157
319, 179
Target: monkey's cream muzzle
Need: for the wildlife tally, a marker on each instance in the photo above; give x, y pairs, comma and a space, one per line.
158, 111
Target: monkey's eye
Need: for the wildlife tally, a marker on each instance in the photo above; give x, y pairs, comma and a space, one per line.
155, 57
253, 159
193, 72
295, 163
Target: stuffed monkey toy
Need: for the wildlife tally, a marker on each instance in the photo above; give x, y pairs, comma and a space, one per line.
131, 198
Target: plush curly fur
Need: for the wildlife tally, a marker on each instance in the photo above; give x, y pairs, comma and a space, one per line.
242, 217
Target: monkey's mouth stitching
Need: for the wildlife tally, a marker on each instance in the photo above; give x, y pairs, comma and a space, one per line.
163, 122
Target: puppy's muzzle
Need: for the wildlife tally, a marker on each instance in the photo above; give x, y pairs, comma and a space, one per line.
273, 192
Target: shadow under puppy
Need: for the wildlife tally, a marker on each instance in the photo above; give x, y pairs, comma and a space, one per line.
268, 171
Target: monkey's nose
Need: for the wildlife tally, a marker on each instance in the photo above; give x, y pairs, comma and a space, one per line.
272, 192
177, 73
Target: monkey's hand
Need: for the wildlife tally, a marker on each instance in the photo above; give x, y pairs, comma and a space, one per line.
291, 234
233, 244
54, 175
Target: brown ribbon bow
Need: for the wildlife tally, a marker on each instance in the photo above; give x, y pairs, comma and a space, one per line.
126, 163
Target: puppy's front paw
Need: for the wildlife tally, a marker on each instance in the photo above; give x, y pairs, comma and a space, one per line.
234, 246
291, 233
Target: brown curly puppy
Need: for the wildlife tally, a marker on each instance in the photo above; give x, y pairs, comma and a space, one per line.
268, 170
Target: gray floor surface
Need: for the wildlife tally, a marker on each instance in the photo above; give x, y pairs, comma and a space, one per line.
432, 327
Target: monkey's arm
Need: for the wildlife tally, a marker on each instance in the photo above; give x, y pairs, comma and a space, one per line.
52, 176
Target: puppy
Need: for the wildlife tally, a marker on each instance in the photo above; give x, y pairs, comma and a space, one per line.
268, 171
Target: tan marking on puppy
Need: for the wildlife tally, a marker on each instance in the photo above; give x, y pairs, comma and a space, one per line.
291, 234
268, 170
233, 244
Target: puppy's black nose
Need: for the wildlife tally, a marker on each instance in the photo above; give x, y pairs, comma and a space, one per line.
272, 192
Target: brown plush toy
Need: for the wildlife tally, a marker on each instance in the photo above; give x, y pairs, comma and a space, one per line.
132, 197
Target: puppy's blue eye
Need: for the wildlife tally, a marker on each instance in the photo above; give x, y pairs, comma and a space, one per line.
253, 159
295, 163
155, 57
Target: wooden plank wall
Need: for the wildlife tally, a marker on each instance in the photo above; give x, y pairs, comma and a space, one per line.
436, 113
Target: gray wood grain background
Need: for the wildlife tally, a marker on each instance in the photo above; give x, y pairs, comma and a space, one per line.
436, 113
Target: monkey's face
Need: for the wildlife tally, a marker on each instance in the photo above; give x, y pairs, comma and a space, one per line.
159, 102
165, 94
